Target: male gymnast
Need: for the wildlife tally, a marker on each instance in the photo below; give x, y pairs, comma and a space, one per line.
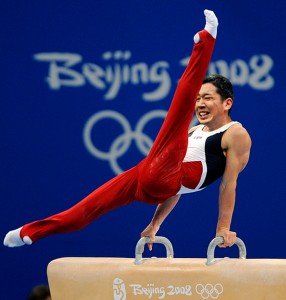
180, 160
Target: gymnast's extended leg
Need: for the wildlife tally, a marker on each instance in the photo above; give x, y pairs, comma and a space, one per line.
157, 177
160, 172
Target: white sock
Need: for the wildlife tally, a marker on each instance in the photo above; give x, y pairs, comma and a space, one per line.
211, 23
13, 239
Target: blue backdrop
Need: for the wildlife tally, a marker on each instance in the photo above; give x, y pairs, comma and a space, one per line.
84, 88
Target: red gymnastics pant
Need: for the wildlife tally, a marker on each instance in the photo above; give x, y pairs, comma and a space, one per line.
155, 178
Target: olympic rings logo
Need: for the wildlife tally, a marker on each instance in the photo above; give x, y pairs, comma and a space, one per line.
209, 290
120, 144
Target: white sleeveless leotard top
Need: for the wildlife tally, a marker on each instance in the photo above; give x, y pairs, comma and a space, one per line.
204, 159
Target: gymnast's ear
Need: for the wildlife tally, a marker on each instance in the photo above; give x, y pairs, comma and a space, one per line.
228, 104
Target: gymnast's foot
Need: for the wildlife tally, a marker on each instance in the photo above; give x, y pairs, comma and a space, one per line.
13, 239
211, 25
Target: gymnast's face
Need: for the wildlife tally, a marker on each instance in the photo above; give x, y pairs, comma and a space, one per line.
210, 109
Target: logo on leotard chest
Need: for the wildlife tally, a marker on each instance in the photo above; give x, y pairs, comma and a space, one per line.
197, 137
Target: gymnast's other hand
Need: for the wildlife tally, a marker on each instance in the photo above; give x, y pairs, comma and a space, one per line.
229, 238
150, 231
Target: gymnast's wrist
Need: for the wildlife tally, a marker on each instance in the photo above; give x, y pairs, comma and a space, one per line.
221, 230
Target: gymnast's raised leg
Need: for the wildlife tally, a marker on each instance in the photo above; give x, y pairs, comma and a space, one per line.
154, 179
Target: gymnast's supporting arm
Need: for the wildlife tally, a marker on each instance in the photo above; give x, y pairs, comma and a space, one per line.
162, 211
237, 144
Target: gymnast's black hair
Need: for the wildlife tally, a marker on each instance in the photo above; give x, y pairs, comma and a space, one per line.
222, 84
